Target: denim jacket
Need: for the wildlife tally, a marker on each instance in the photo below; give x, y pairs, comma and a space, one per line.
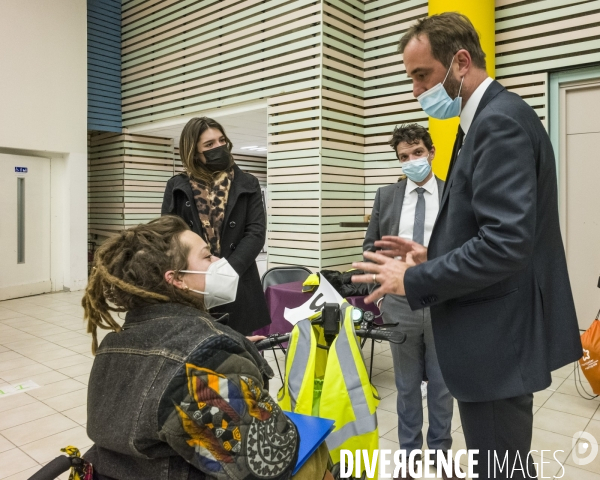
178, 396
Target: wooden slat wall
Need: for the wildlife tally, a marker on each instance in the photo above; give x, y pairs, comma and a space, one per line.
343, 138
178, 164
293, 178
335, 87
190, 56
315, 159
104, 65
186, 56
533, 38
126, 180
388, 91
351, 119
254, 165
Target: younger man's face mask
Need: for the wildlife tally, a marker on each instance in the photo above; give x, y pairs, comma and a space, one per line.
417, 169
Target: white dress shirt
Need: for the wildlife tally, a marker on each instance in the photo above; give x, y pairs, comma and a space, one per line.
432, 205
468, 111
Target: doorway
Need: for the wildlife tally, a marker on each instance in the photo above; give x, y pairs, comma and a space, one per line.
579, 174
24, 226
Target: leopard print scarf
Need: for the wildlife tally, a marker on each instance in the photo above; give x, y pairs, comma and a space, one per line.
211, 202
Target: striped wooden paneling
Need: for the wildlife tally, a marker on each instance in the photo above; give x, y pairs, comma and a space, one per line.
533, 38
189, 56
253, 165
313, 190
388, 91
293, 178
343, 135
335, 88
178, 165
126, 180
104, 65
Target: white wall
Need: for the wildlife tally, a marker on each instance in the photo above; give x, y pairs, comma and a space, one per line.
43, 112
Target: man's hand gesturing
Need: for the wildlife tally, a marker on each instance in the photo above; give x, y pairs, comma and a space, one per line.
383, 270
399, 247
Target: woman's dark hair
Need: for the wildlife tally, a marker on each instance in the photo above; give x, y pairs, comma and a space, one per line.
412, 134
129, 272
448, 33
188, 147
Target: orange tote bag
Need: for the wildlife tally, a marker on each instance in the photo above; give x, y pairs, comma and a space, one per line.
590, 362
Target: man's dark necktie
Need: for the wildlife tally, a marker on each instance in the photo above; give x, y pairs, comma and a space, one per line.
460, 136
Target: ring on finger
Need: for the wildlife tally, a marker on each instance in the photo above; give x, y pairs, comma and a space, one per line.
374, 278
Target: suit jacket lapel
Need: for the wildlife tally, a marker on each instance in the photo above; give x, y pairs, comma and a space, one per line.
440, 185
397, 207
494, 89
453, 160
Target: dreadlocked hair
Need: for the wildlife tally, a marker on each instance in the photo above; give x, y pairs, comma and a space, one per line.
129, 272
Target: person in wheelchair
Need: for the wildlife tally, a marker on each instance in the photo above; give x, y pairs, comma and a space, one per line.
174, 394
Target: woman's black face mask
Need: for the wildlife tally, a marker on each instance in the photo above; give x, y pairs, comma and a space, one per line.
217, 159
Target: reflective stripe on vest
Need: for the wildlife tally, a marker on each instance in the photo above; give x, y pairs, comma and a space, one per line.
296, 394
299, 365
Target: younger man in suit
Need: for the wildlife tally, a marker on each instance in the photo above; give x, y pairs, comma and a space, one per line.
409, 209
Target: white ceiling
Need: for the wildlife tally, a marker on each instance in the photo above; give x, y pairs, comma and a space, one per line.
244, 129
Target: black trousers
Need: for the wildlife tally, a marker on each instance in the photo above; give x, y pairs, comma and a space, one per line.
501, 430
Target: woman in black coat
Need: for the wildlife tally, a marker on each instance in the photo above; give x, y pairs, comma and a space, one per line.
224, 206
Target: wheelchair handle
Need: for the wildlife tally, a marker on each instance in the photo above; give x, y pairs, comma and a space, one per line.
392, 336
53, 469
384, 334
271, 341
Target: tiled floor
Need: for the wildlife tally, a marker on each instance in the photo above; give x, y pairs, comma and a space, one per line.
43, 339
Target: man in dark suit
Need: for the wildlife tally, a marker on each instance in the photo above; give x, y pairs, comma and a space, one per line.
409, 209
495, 274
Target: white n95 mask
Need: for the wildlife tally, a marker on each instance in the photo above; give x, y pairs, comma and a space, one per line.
221, 283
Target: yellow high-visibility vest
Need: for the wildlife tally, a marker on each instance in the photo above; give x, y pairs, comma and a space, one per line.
296, 394
332, 385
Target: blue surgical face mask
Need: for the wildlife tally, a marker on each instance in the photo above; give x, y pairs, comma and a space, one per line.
436, 102
417, 169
